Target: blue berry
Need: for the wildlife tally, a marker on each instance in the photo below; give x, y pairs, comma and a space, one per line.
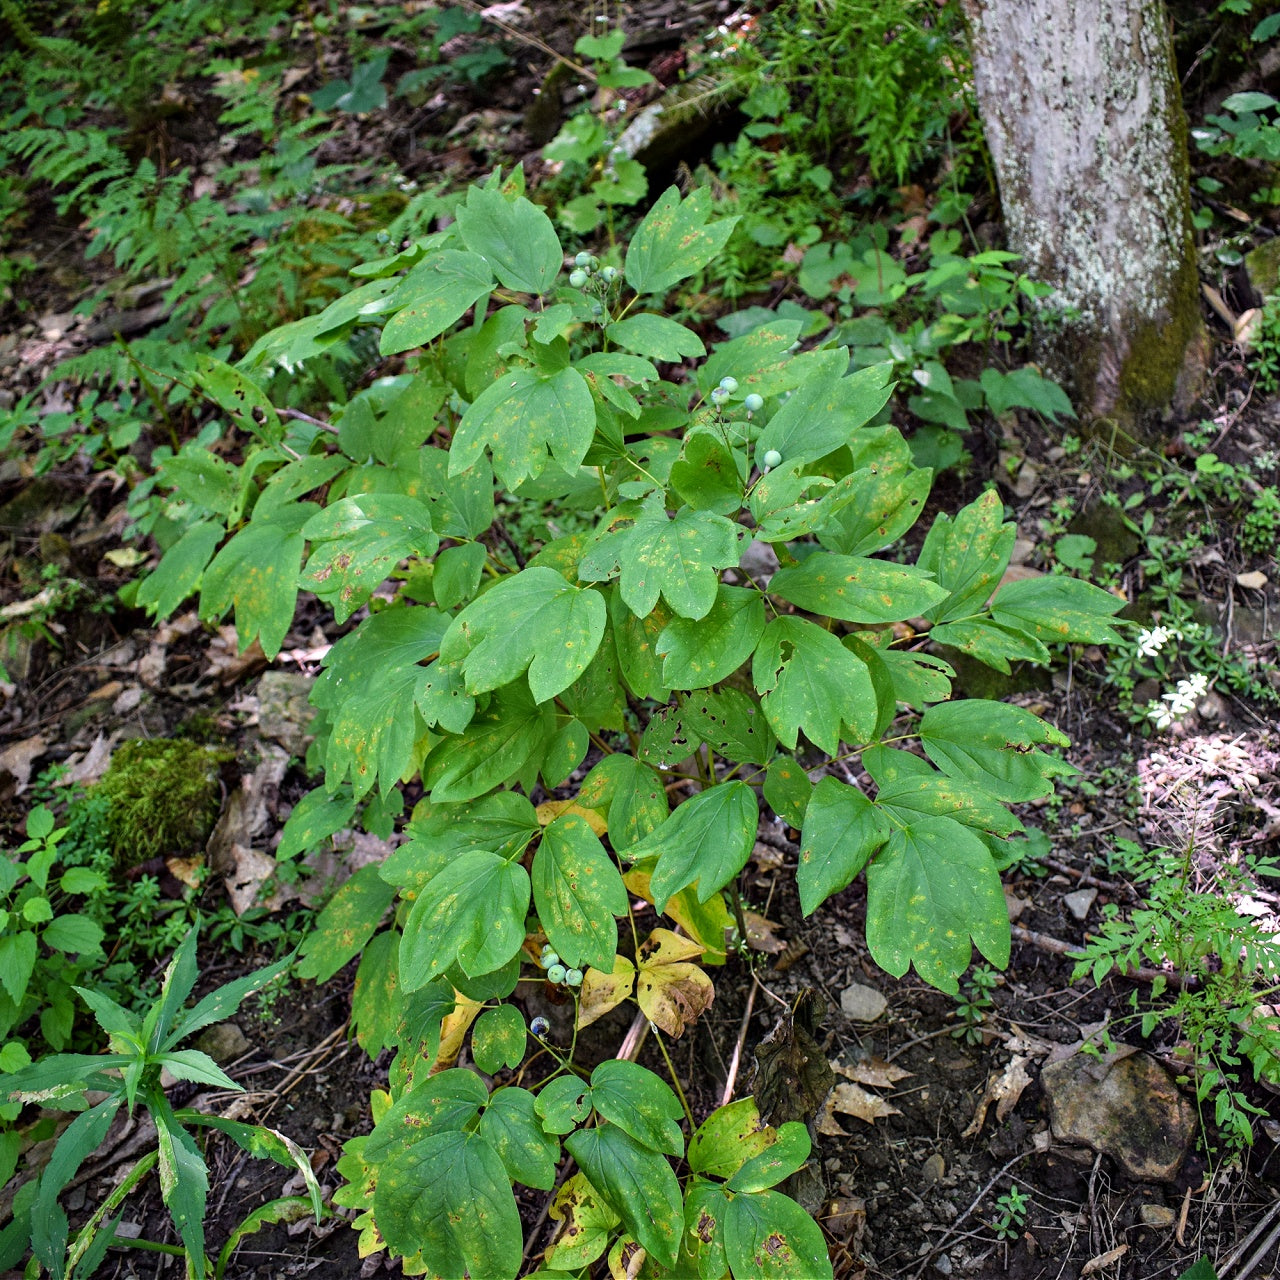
573, 978
728, 385
772, 459
753, 403
556, 973
582, 259
609, 274
577, 278
549, 958
539, 1026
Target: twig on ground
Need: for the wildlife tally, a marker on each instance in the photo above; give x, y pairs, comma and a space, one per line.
732, 1078
1224, 1267
1055, 946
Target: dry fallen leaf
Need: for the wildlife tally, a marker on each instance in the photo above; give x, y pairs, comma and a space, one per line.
190, 871
874, 1071
760, 934
853, 1100
16, 760
244, 882
1103, 1260
1004, 1090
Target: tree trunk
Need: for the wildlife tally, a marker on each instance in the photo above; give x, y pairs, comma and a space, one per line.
1083, 116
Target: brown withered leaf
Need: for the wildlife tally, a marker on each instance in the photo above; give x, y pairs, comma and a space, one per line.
1004, 1090
875, 1072
761, 935
670, 990
853, 1100
793, 1076
1103, 1260
601, 992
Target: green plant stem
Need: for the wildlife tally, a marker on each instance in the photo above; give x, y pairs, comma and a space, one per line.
675, 1080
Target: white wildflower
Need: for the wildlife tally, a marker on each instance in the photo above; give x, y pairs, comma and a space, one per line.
1151, 641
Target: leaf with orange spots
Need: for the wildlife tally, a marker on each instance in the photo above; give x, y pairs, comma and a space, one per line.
930, 890
577, 892
257, 572
346, 924
857, 589
697, 654
603, 991
674, 240
534, 621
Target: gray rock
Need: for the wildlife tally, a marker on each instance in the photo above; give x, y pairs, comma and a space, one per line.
862, 1004
1129, 1109
223, 1041
1080, 902
284, 713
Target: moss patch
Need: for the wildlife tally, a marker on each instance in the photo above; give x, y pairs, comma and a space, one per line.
164, 797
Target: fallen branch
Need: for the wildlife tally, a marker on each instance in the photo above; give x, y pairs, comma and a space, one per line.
1055, 946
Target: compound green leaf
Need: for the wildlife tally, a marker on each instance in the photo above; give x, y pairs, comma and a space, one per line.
532, 621
698, 653
992, 745
891, 495
457, 573
206, 481
842, 829
637, 1182
358, 541
787, 789
344, 927
728, 1138
520, 418
435, 293
808, 680
565, 753
179, 572
931, 889
511, 1127
909, 788
563, 1103
656, 337
442, 1103
257, 572
825, 410
990, 643
239, 396
472, 911
708, 474
461, 505
499, 742
503, 823
577, 892
639, 1103
514, 237
855, 589
498, 1039
632, 796
315, 817
767, 1235
674, 241
968, 556
1056, 608
731, 724
448, 1198
679, 558
778, 1161
708, 840
635, 639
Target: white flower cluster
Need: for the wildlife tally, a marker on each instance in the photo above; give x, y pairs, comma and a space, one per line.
1177, 702
1151, 641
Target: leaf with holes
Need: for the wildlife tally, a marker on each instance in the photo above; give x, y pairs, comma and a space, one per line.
697, 654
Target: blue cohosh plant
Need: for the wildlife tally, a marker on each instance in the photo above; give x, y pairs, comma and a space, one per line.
605, 720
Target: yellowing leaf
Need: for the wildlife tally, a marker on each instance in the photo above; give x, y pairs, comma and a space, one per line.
549, 810
604, 991
671, 991
453, 1030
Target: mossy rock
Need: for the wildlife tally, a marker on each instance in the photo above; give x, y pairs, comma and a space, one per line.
164, 797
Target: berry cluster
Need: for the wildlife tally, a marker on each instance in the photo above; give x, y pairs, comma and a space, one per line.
588, 272
556, 972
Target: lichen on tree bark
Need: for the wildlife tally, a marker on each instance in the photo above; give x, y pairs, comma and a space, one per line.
1083, 116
